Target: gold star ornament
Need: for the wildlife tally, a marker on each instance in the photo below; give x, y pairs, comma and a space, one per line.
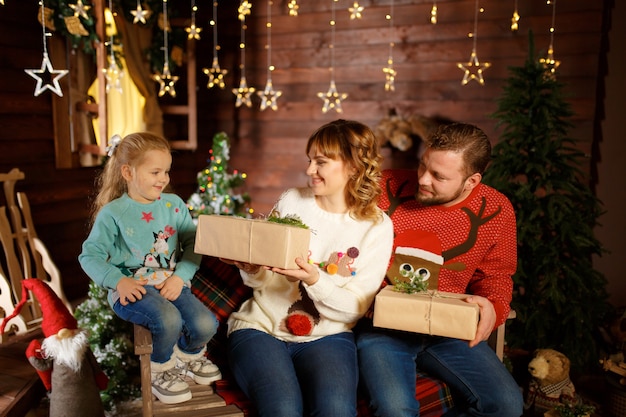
80, 9
332, 99
166, 82
140, 14
243, 93
269, 96
473, 69
193, 32
216, 74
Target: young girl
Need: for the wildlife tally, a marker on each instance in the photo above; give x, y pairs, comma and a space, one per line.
141, 248
290, 346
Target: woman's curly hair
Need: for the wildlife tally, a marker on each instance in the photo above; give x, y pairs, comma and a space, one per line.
356, 145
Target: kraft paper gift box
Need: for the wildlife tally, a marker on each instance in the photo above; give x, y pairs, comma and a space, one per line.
254, 241
430, 312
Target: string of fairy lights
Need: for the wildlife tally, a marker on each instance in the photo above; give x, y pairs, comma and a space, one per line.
48, 78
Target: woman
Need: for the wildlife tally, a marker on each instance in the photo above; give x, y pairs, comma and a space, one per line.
291, 348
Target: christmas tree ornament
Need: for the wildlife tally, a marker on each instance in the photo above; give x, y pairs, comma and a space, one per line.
140, 14
473, 69
332, 98
74, 26
293, 7
113, 74
549, 63
80, 9
356, 11
515, 19
389, 71
215, 73
243, 92
433, 13
193, 32
166, 80
269, 95
46, 74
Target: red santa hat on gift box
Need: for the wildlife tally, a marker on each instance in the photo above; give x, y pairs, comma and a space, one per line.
56, 316
420, 244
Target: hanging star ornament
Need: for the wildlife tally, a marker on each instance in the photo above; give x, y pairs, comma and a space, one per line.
244, 9
332, 99
390, 77
243, 93
269, 96
356, 11
80, 9
549, 64
113, 76
293, 8
193, 32
51, 76
473, 69
166, 82
216, 74
140, 14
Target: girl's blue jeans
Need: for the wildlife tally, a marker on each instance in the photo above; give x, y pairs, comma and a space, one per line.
317, 378
185, 321
480, 384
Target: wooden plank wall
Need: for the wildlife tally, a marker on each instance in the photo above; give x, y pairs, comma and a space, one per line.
269, 145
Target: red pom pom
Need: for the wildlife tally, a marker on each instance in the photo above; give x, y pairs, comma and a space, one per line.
299, 324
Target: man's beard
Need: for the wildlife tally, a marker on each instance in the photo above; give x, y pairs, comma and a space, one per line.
68, 351
438, 200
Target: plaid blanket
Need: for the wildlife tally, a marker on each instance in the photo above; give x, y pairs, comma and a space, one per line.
219, 286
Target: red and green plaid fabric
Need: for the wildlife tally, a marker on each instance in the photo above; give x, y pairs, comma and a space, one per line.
219, 286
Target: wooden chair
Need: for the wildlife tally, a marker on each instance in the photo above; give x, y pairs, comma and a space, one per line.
25, 256
205, 401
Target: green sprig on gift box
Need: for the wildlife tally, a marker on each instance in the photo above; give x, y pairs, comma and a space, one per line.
289, 220
415, 284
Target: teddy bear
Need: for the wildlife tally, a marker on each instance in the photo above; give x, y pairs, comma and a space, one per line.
550, 385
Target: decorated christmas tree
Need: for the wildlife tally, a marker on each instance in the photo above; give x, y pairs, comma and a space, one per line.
218, 187
560, 299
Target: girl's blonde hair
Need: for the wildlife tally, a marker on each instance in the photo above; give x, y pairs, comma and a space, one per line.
355, 144
129, 151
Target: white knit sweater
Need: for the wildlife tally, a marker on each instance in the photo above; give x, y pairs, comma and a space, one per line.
352, 256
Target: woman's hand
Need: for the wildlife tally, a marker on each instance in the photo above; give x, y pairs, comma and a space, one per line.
307, 273
171, 288
131, 290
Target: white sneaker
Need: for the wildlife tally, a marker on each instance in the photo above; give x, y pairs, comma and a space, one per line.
197, 366
167, 385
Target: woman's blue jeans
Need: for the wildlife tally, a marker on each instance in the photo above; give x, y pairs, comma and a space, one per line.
317, 378
185, 321
480, 384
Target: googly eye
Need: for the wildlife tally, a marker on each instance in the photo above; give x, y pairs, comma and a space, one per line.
406, 270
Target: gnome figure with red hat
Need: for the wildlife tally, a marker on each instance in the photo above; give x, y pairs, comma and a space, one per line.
64, 361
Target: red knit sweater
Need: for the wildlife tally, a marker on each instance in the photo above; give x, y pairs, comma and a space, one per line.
479, 232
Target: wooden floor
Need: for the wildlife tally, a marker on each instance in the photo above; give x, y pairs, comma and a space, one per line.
20, 386
21, 390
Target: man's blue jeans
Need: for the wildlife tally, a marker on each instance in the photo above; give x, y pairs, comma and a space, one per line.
480, 384
185, 321
317, 378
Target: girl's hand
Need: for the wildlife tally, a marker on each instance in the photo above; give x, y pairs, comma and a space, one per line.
171, 288
131, 290
307, 273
